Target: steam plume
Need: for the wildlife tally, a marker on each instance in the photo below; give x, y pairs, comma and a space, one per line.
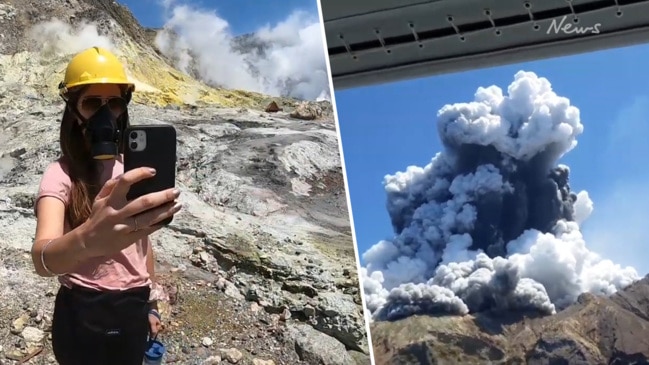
286, 59
491, 222
55, 37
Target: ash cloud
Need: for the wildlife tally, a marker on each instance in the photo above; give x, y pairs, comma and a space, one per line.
491, 223
285, 59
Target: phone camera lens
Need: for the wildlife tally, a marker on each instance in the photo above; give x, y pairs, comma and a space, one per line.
133, 145
133, 135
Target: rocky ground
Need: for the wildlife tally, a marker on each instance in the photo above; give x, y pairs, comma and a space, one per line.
258, 268
260, 260
595, 330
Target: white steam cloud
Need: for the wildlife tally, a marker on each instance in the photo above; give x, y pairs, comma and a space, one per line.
55, 37
282, 60
286, 59
490, 223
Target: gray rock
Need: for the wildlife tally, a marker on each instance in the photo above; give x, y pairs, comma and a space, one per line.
316, 348
232, 355
207, 342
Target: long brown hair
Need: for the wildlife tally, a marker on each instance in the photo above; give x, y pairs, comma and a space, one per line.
82, 169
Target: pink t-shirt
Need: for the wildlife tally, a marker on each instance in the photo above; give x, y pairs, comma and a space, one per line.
125, 270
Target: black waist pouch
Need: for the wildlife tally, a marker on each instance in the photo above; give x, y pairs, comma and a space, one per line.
109, 313
100, 327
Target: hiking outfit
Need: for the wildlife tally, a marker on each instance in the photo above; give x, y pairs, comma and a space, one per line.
101, 312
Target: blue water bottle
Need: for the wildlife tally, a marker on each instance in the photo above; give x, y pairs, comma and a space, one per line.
155, 352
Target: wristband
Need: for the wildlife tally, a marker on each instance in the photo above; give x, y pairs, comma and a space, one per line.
156, 314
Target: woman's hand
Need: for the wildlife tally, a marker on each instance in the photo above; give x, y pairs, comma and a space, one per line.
155, 325
116, 223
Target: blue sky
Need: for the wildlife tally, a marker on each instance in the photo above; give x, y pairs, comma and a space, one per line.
244, 16
386, 128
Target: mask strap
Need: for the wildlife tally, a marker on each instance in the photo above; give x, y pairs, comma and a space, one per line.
70, 103
76, 112
128, 96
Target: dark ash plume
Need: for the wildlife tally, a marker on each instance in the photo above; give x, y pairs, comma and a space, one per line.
491, 223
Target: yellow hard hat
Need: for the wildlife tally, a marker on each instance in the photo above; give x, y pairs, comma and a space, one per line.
94, 66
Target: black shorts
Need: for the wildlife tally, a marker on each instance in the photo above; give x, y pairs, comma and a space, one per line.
100, 328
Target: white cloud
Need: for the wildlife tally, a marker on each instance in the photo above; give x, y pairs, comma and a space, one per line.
292, 64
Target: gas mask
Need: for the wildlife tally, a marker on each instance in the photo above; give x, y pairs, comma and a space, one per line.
102, 134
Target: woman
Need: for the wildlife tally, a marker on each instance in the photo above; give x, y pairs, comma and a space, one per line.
88, 234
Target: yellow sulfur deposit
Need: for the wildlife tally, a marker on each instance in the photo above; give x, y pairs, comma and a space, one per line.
160, 84
157, 82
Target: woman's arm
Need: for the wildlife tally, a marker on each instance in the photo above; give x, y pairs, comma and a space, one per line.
64, 252
155, 320
150, 267
150, 260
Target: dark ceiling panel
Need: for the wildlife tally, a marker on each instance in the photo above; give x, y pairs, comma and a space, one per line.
381, 41
341, 9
